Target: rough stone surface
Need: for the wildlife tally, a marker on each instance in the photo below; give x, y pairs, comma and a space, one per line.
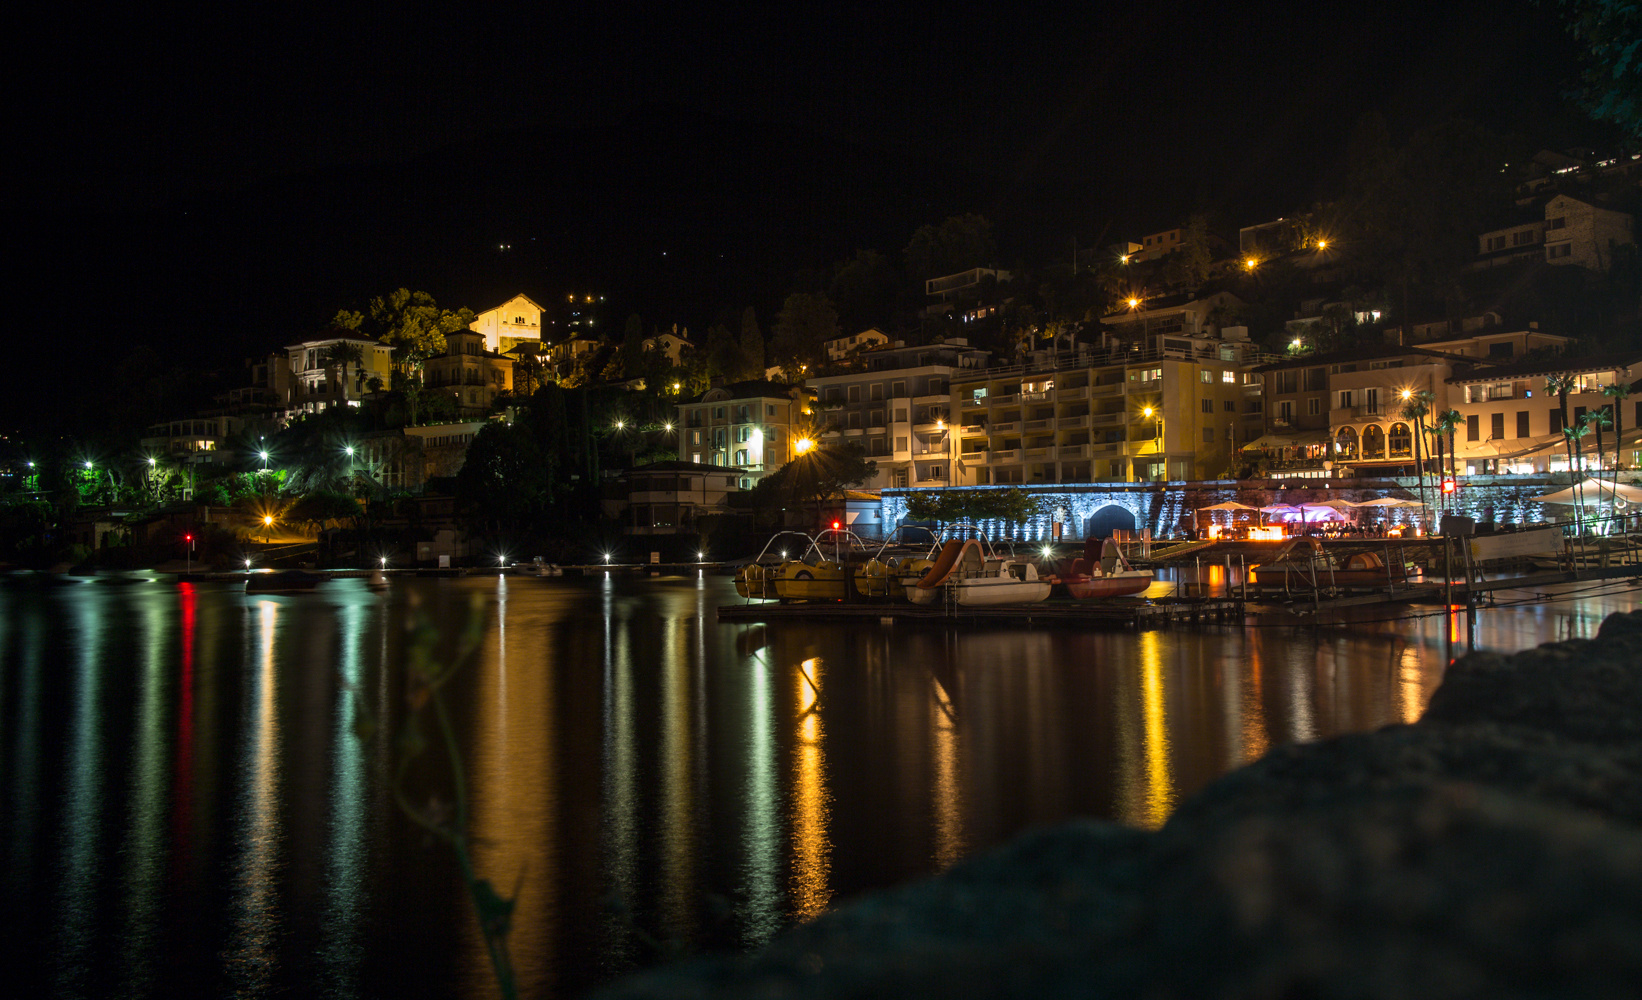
1492, 849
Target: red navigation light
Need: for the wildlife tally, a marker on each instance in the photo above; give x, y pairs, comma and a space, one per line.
1449, 486
835, 525
188, 538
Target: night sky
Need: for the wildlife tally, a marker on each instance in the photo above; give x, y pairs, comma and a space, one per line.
217, 181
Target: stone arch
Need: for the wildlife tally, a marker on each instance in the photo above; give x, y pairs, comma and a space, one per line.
1400, 441
1108, 518
1345, 443
1373, 441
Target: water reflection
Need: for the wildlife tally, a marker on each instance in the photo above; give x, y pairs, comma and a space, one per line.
83, 857
620, 821
812, 851
252, 952
346, 848
762, 826
144, 847
633, 764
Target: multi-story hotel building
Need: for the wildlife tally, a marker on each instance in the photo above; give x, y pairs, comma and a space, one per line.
747, 427
898, 409
1132, 408
1513, 423
1345, 407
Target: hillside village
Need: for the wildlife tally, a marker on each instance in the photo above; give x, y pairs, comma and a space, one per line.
1296, 349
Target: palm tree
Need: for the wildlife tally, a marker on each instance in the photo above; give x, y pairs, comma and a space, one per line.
1617, 392
1575, 454
1560, 384
1415, 406
1446, 423
340, 355
1596, 421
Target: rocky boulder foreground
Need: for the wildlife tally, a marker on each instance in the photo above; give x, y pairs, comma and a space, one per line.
1492, 849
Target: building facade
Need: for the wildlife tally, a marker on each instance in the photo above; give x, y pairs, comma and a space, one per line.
469, 372
746, 427
515, 321
898, 409
1148, 408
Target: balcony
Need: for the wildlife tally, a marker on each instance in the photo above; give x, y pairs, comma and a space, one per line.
1038, 425
1005, 400
1000, 457
1106, 419
1039, 454
1034, 397
1066, 395
1114, 389
1345, 414
1010, 427
1070, 451
1069, 423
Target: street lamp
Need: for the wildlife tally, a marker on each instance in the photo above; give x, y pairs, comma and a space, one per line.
264, 454
1157, 434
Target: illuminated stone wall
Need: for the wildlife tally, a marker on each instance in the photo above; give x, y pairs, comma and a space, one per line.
1167, 508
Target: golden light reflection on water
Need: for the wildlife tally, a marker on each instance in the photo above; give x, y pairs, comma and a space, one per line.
812, 851
253, 938
1256, 735
677, 788
516, 798
1160, 795
947, 789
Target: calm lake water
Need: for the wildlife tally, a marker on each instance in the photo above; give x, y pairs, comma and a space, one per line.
190, 806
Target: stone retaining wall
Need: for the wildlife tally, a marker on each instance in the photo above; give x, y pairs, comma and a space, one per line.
1492, 849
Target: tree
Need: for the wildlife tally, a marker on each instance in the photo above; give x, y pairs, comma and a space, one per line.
957, 244
1618, 393
1595, 422
1415, 407
338, 357
1560, 384
803, 327
820, 475
720, 354
1610, 36
948, 506
1576, 456
503, 489
864, 288
752, 345
412, 323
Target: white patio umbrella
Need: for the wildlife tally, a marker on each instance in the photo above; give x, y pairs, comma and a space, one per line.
1596, 487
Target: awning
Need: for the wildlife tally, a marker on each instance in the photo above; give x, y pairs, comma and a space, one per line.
1266, 442
1594, 488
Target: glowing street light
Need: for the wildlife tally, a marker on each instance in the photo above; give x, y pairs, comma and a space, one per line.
1249, 263
1134, 303
264, 455
802, 445
1322, 244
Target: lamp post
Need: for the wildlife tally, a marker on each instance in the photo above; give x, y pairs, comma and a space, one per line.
1157, 436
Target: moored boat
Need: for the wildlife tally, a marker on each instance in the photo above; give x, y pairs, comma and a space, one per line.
1304, 564
974, 576
1102, 572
